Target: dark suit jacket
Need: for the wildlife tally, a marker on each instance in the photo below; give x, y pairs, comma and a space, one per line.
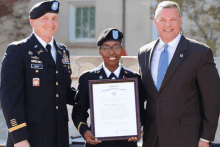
80, 109
36, 113
186, 108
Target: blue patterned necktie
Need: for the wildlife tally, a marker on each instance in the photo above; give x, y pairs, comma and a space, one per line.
162, 66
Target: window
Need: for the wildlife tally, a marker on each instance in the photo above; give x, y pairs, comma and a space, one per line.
82, 22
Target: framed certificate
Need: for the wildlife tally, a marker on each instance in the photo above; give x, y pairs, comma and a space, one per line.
114, 109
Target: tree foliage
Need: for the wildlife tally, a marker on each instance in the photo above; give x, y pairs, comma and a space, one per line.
16, 25
204, 16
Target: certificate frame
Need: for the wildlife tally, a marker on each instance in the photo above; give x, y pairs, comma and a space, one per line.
137, 117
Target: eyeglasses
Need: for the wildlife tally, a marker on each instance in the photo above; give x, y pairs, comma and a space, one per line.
115, 48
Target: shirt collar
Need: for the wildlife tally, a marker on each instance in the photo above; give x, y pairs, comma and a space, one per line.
173, 43
108, 72
42, 42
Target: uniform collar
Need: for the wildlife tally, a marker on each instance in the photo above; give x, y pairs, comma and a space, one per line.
108, 72
42, 42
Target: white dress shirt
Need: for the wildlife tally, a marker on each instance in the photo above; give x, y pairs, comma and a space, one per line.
156, 57
108, 72
44, 44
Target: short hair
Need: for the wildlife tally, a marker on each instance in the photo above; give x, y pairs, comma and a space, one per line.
166, 4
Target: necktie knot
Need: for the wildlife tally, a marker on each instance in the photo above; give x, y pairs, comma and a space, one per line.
48, 47
165, 47
112, 75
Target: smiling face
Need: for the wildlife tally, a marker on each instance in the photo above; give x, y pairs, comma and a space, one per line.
45, 26
111, 58
168, 23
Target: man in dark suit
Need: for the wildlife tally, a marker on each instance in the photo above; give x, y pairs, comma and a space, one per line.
109, 42
35, 84
182, 86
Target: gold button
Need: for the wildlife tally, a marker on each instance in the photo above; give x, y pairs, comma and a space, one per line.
57, 83
57, 95
56, 107
57, 72
37, 71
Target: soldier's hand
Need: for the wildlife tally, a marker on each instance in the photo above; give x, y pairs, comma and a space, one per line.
135, 139
23, 143
90, 138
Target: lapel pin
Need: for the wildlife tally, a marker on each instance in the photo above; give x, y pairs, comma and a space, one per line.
41, 51
35, 46
59, 52
98, 71
30, 53
100, 77
126, 72
64, 51
124, 77
181, 55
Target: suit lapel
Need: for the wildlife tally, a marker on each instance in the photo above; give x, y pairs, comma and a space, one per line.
41, 51
149, 56
178, 57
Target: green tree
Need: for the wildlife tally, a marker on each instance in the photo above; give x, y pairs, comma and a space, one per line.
205, 16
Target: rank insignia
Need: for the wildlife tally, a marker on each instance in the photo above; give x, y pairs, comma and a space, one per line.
36, 81
30, 53
36, 61
41, 51
59, 52
34, 57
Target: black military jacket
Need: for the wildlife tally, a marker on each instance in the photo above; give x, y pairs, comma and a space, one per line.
34, 93
81, 106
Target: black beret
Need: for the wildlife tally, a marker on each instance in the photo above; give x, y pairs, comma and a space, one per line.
109, 34
44, 7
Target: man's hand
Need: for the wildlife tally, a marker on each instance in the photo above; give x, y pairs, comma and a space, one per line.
23, 143
90, 138
135, 139
203, 144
